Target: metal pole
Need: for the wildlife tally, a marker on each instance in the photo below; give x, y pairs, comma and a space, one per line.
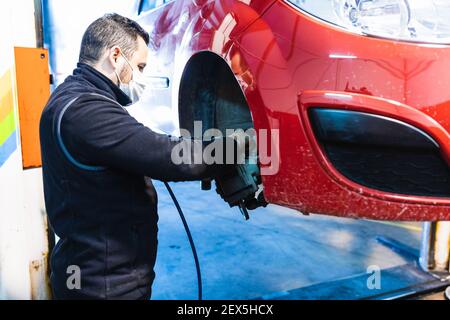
426, 259
39, 23
435, 247
442, 246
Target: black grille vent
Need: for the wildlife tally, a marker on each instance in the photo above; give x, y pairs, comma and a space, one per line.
382, 153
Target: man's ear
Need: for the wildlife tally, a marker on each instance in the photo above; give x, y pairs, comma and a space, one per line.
113, 56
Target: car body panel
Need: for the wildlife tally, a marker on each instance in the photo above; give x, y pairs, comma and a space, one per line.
287, 62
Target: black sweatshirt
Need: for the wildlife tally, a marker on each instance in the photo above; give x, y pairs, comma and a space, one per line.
95, 156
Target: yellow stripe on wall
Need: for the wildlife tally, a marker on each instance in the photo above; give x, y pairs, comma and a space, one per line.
7, 115
8, 124
6, 96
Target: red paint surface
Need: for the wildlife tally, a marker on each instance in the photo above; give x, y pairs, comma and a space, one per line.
284, 62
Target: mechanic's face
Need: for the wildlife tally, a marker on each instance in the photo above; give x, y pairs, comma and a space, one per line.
138, 62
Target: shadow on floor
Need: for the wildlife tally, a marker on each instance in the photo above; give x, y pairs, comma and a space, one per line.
278, 250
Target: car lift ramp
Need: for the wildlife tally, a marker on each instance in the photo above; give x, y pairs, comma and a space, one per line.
426, 272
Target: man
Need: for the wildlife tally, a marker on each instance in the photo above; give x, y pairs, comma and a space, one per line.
95, 158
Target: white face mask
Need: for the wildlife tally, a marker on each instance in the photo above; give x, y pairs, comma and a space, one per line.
136, 87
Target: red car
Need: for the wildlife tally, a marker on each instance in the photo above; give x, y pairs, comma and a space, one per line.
358, 92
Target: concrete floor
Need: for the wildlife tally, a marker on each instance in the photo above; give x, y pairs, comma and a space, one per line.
278, 250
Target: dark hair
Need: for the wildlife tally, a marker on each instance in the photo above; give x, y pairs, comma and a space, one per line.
109, 31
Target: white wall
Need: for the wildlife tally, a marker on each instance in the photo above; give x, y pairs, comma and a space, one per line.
22, 230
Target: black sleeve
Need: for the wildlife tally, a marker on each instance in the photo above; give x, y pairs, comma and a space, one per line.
104, 134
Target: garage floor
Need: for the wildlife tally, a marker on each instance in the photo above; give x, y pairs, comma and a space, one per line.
278, 250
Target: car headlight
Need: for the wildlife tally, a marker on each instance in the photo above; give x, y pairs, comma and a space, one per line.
412, 20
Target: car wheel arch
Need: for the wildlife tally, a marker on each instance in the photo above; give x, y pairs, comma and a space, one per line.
210, 92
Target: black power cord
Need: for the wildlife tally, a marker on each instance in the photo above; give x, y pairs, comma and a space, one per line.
191, 240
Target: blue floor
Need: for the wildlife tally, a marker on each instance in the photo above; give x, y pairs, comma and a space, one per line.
278, 250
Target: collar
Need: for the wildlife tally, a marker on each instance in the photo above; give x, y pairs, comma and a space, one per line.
101, 82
